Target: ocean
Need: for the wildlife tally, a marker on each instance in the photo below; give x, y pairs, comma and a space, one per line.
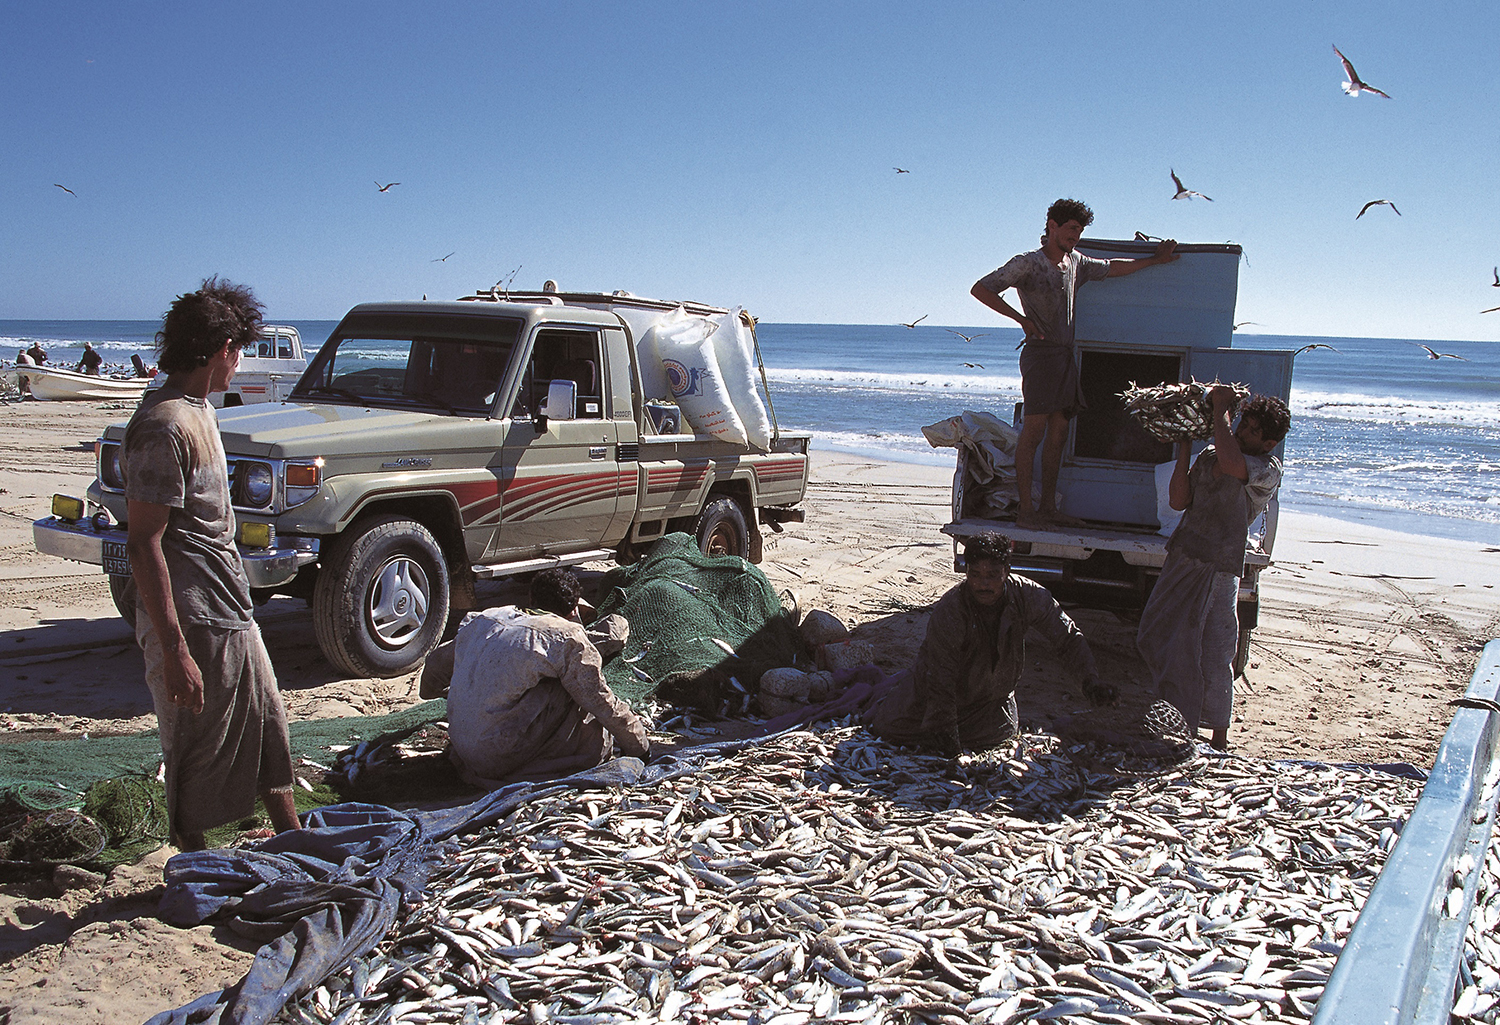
1381, 434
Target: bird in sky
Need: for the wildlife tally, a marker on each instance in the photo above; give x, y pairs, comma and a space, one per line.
1314, 345
967, 338
66, 189
915, 322
1376, 202
1492, 309
973, 366
444, 259
1434, 354
1354, 86
1245, 322
386, 188
1141, 236
1183, 192
901, 170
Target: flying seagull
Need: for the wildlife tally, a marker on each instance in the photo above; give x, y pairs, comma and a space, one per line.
1314, 345
901, 170
66, 189
973, 366
1183, 192
967, 338
1434, 354
1354, 86
386, 188
1141, 236
1492, 309
444, 259
915, 322
1376, 202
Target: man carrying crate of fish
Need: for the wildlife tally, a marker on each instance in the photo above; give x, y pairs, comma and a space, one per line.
1189, 629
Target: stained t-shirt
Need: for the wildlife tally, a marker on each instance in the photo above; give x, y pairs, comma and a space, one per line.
1220, 510
173, 456
1047, 290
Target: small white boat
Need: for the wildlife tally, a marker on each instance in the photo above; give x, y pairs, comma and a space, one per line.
54, 384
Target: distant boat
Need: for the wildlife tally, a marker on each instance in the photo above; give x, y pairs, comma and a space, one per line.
54, 384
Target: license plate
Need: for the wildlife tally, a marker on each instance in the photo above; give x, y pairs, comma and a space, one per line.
116, 563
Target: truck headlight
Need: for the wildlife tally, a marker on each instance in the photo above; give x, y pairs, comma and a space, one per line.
255, 483
110, 474
303, 478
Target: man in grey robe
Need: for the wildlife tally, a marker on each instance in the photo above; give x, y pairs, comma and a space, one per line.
961, 694
1048, 280
526, 692
223, 726
1189, 629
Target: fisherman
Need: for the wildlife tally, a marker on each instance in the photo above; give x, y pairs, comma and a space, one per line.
23, 383
961, 694
526, 692
1189, 631
1048, 280
37, 353
223, 726
90, 362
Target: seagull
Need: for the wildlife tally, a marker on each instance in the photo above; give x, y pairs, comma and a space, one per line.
967, 338
1376, 202
386, 188
66, 189
1492, 309
1183, 192
1354, 85
973, 366
1141, 236
915, 322
1315, 345
1434, 354
444, 259
900, 170
1244, 322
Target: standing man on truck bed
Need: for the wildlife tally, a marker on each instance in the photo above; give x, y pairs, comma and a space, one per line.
1189, 629
223, 726
1048, 280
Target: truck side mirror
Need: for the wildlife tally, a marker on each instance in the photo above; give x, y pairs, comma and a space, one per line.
561, 402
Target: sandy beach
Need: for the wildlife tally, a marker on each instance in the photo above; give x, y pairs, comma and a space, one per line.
1365, 636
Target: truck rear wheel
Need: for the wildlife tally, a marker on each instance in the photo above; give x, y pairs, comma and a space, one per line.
122, 590
722, 529
381, 598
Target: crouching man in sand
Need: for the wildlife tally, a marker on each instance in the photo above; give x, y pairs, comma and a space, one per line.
526, 691
961, 695
1189, 630
223, 727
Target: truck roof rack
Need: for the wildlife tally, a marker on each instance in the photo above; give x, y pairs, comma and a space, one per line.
595, 299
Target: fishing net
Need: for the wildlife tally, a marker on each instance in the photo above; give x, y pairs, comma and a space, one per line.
684, 609
1176, 412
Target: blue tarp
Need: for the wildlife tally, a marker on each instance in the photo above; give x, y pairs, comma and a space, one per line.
325, 894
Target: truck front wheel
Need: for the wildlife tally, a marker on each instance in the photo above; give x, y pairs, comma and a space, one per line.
722, 529
381, 598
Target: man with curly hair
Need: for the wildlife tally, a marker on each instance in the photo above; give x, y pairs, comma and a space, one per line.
526, 692
1189, 628
223, 726
1048, 280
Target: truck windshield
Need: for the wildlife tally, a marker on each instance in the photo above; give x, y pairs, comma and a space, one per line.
455, 368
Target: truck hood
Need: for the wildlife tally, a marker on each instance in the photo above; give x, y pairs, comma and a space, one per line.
291, 430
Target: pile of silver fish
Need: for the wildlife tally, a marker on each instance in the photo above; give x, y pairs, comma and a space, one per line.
1478, 989
827, 876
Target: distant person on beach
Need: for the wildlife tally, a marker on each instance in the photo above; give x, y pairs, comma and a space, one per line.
37, 353
223, 726
90, 361
1189, 630
961, 694
1048, 280
23, 385
526, 692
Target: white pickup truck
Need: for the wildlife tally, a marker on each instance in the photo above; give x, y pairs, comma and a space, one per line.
1173, 323
433, 444
269, 368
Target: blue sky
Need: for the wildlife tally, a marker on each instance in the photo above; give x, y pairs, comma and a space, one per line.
738, 153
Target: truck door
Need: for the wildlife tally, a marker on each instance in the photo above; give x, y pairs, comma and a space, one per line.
560, 478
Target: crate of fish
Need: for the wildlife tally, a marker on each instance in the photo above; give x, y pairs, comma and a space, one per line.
1176, 412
